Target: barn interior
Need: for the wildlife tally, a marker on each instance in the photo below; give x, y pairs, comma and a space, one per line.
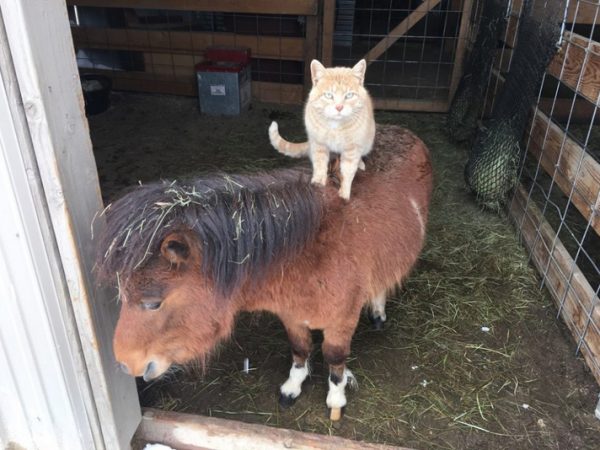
488, 343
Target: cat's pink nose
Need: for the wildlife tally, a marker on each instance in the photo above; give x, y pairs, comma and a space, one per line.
339, 107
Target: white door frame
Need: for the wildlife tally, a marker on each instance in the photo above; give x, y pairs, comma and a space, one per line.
57, 370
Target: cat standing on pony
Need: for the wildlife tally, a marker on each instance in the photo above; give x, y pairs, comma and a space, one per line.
339, 119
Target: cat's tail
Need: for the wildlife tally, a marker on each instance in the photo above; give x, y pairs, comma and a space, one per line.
287, 148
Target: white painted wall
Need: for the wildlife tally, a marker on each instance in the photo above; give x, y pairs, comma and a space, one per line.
40, 401
59, 385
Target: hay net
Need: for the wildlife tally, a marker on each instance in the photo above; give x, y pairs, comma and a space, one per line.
491, 171
467, 103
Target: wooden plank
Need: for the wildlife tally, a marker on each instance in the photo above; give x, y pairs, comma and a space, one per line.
568, 286
328, 31
582, 13
310, 50
457, 69
557, 151
50, 92
400, 30
512, 27
170, 83
293, 7
281, 93
581, 114
503, 59
184, 42
572, 67
198, 432
400, 104
494, 87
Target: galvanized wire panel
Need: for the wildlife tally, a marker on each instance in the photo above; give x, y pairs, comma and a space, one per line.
560, 171
412, 47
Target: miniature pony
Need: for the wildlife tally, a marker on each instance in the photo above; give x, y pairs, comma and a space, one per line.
190, 256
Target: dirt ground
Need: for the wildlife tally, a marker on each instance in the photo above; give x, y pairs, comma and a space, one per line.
433, 378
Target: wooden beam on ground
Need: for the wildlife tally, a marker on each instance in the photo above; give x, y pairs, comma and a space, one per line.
569, 164
184, 42
401, 104
191, 432
568, 286
293, 7
461, 46
328, 30
573, 58
401, 29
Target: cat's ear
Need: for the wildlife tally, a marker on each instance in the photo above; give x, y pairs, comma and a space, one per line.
317, 70
359, 70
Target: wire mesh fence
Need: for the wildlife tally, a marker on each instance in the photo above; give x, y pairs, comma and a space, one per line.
556, 208
157, 49
414, 48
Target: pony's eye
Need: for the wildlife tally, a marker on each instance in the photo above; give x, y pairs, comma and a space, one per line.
328, 95
151, 303
350, 95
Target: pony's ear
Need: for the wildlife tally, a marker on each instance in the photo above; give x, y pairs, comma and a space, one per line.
176, 248
359, 70
317, 70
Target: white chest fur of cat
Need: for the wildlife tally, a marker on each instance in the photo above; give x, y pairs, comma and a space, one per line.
339, 119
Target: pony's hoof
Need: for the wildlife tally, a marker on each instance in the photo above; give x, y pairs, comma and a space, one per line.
335, 414
285, 401
377, 323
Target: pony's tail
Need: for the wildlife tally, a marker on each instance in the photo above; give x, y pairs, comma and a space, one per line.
286, 147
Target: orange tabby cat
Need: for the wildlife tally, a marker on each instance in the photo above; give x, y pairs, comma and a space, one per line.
339, 118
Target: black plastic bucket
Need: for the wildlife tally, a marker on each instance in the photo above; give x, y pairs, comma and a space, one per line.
96, 93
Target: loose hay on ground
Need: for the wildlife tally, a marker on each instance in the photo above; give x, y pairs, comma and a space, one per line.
432, 378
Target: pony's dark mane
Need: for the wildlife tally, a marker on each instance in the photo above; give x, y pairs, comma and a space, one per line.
242, 222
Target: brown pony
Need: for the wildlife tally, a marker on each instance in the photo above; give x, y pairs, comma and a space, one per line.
189, 257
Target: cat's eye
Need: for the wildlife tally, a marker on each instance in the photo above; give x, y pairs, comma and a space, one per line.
328, 95
151, 303
350, 95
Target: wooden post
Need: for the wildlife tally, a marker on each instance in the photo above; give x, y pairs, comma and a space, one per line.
328, 31
310, 49
461, 46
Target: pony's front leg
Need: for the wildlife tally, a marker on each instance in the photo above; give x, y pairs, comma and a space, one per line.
301, 342
336, 348
377, 310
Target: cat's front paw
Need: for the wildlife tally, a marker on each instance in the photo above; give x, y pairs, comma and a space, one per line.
344, 193
319, 180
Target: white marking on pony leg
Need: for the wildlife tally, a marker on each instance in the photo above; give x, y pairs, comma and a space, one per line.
419, 215
336, 396
378, 306
293, 385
